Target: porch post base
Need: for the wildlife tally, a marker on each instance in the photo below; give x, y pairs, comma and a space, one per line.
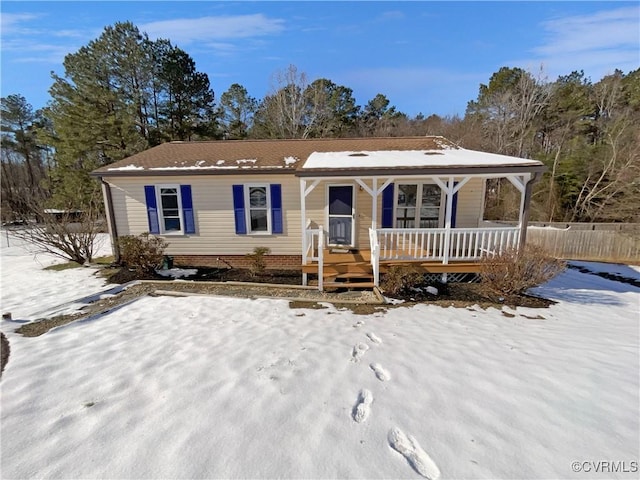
444, 277
305, 279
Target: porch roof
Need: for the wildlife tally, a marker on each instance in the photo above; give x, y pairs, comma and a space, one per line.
447, 160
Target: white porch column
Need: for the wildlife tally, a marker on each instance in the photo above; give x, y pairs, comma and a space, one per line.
447, 222
524, 209
374, 205
304, 191
303, 219
522, 184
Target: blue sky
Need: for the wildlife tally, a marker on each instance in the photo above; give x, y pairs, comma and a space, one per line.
427, 57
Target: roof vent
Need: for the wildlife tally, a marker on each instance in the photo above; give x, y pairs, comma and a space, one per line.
358, 154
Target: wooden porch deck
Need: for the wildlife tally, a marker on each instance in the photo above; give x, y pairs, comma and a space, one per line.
353, 269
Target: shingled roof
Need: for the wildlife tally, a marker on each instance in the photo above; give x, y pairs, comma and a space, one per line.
225, 155
301, 157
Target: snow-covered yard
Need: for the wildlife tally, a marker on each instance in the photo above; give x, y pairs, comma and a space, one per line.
205, 387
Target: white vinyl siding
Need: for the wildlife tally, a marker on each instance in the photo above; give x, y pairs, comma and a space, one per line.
214, 214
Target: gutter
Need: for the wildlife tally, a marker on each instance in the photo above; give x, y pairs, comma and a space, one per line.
111, 220
194, 171
421, 171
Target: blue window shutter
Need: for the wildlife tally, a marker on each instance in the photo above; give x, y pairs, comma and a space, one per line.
152, 208
387, 206
187, 209
276, 208
238, 209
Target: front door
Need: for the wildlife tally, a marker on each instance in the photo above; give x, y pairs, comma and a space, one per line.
341, 215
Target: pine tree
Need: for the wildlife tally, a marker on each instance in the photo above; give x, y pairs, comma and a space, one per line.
237, 111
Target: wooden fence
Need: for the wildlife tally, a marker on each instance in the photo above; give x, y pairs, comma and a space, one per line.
599, 242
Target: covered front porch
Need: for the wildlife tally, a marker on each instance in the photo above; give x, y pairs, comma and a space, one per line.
355, 228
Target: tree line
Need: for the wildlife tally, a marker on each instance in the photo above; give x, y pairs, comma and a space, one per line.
123, 93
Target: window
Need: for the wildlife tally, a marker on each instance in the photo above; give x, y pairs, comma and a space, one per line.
258, 208
258, 211
418, 206
170, 209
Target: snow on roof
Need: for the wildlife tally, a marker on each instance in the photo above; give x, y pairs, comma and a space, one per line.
127, 167
449, 157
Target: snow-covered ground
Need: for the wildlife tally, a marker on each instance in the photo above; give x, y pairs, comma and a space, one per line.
205, 387
28, 290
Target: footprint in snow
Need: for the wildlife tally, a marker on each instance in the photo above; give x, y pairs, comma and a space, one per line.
410, 449
374, 338
363, 407
358, 351
380, 372
359, 323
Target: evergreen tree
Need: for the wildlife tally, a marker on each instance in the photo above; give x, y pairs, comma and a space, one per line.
22, 157
331, 109
378, 119
237, 110
189, 110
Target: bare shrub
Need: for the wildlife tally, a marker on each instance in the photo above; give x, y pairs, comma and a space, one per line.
513, 272
143, 253
257, 262
69, 234
400, 278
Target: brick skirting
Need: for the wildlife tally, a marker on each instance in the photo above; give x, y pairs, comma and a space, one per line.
283, 262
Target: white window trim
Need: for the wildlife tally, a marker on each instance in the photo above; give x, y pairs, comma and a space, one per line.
247, 207
443, 203
161, 213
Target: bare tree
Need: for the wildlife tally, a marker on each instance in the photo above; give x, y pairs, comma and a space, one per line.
612, 182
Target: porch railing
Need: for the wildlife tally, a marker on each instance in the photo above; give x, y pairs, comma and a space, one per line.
429, 244
313, 250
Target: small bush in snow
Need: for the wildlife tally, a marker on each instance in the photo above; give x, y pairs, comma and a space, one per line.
257, 262
143, 253
512, 272
401, 278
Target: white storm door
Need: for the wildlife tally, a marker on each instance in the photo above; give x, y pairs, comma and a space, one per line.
341, 215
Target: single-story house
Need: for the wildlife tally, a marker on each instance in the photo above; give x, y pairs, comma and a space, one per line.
342, 209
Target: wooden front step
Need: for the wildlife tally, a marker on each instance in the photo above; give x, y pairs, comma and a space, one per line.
353, 256
348, 284
338, 267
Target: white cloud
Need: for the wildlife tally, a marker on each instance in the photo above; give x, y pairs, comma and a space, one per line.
10, 23
184, 31
37, 52
27, 36
602, 30
597, 43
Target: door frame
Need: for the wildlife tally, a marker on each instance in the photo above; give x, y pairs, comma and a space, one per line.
353, 213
